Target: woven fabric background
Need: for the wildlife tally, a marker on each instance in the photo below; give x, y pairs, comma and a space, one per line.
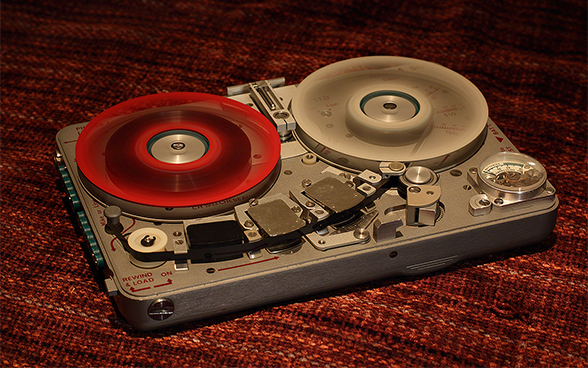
65, 61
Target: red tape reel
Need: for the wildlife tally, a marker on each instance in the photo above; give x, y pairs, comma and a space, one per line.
178, 150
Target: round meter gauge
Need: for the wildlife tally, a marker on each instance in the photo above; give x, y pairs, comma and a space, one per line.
511, 176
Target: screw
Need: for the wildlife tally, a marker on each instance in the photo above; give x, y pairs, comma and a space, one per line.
248, 224
161, 309
306, 183
414, 189
484, 202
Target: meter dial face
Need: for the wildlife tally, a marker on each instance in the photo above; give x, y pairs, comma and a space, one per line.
512, 175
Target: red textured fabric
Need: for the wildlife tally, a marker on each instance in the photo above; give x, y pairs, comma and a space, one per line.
64, 62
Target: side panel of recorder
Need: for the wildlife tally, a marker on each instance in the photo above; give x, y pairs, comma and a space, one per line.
290, 282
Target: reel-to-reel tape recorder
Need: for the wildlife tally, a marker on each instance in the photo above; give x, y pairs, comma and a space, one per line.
195, 205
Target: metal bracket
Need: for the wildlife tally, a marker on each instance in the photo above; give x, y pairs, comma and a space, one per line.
326, 242
269, 104
422, 204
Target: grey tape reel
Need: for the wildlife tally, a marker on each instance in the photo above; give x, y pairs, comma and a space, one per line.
359, 112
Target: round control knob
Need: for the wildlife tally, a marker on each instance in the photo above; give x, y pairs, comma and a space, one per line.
113, 214
420, 175
416, 176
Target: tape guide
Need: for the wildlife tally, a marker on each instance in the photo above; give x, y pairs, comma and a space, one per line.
195, 205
